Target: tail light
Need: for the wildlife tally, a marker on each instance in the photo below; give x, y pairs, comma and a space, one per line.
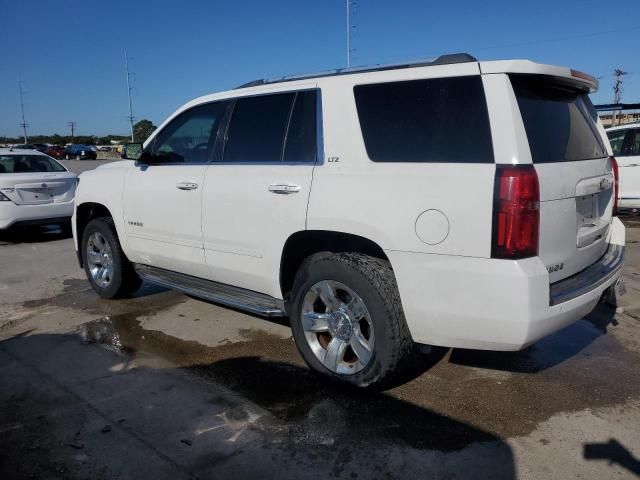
616, 183
516, 212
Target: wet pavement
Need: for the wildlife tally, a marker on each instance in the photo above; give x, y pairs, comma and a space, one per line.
88, 386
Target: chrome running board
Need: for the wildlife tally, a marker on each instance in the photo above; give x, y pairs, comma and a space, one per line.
235, 297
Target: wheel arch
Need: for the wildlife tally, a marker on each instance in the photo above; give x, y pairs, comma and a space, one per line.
85, 212
305, 243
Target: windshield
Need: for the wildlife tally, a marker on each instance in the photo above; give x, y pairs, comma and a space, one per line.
28, 164
560, 122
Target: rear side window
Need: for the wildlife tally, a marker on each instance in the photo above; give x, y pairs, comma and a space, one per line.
301, 137
28, 164
616, 139
257, 128
634, 142
560, 122
442, 120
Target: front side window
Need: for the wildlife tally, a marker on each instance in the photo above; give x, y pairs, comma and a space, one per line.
257, 128
440, 120
189, 137
616, 139
28, 164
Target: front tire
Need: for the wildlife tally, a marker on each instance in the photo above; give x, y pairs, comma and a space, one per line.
108, 270
347, 319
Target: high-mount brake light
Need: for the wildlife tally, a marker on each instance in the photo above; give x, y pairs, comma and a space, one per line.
516, 212
593, 81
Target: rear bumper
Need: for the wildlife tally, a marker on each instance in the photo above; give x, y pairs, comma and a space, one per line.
608, 267
491, 304
10, 213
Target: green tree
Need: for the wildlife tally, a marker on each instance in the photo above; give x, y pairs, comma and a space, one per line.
142, 130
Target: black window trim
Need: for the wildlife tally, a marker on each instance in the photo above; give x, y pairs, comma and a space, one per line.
219, 159
364, 145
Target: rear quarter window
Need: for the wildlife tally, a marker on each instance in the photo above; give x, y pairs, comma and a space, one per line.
442, 120
561, 122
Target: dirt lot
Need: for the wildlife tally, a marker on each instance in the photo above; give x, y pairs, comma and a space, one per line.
166, 386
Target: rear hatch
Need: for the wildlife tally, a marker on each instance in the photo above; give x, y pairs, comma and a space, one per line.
35, 180
574, 172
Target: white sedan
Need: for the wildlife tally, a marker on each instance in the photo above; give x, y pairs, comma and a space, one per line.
34, 189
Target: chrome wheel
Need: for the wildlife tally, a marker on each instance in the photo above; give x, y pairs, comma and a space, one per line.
99, 260
337, 327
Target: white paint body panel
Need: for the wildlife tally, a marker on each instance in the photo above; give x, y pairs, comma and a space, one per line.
162, 222
453, 293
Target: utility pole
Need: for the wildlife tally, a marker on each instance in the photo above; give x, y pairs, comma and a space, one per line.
73, 129
24, 123
617, 91
348, 5
126, 64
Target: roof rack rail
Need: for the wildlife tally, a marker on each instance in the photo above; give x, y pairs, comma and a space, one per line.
448, 59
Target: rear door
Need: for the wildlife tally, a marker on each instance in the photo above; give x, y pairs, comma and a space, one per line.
575, 174
625, 144
256, 192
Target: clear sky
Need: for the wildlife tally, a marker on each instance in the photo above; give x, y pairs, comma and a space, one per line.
70, 53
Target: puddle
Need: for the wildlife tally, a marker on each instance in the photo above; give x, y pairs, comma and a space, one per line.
78, 294
489, 394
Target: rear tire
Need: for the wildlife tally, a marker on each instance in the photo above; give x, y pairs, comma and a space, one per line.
108, 270
363, 325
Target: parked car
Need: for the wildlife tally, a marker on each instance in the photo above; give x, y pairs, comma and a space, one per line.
24, 146
41, 147
80, 152
625, 144
104, 148
34, 189
454, 203
56, 152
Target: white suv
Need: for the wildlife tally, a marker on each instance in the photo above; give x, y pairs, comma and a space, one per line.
455, 203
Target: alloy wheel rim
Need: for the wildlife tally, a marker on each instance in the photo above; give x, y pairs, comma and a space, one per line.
337, 327
100, 260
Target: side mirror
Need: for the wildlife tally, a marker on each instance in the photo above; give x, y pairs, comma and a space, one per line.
132, 151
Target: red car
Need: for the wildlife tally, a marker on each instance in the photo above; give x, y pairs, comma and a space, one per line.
56, 152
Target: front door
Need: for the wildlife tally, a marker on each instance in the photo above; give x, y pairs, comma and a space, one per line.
163, 198
257, 189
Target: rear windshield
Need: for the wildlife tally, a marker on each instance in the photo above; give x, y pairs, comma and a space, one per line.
440, 120
28, 164
560, 122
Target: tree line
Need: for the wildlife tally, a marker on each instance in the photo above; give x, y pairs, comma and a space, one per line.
141, 131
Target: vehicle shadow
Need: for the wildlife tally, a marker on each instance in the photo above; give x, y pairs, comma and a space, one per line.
614, 452
310, 420
545, 353
35, 233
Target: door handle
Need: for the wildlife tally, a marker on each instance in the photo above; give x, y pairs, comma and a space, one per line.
186, 185
284, 188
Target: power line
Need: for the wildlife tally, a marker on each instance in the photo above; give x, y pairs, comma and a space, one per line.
24, 123
131, 117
